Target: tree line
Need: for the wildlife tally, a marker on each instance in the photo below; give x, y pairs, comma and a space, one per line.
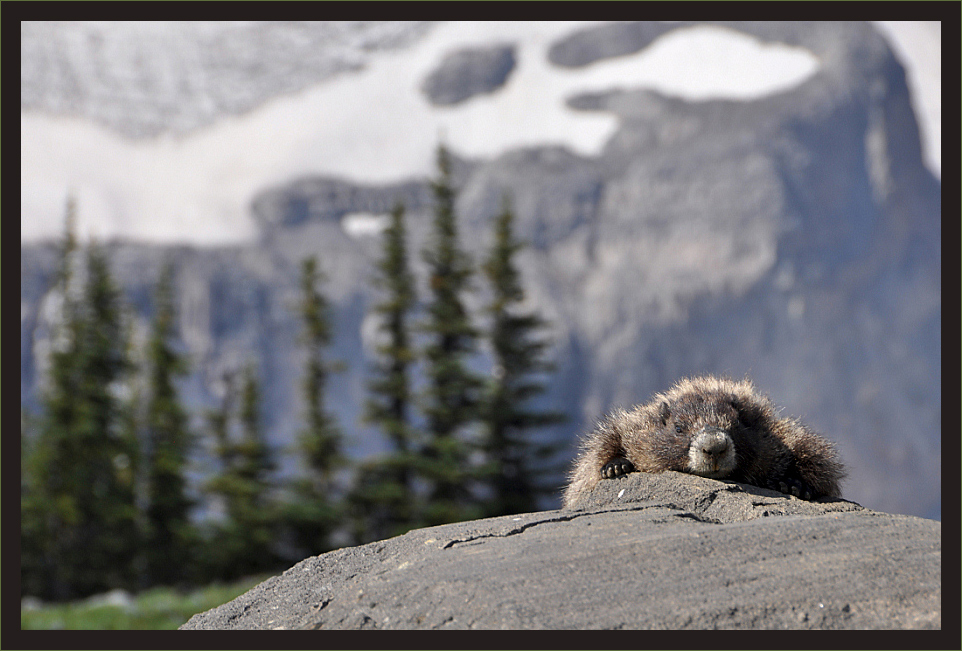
106, 497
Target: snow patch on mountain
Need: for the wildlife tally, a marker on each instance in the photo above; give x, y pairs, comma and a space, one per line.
918, 45
373, 125
363, 224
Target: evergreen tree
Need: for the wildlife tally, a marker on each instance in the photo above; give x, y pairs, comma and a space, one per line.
383, 499
218, 424
315, 511
26, 448
256, 517
42, 514
130, 466
242, 543
170, 536
82, 499
453, 394
516, 476
33, 579
255, 463
107, 542
221, 537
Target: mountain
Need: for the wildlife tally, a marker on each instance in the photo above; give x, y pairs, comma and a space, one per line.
785, 226
146, 78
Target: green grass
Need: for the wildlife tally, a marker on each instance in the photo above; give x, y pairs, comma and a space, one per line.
155, 609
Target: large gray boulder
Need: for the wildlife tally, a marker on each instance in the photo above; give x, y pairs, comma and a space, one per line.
647, 551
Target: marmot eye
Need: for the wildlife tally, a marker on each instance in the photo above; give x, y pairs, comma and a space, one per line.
678, 428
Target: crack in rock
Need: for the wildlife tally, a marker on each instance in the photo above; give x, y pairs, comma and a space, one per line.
572, 516
511, 532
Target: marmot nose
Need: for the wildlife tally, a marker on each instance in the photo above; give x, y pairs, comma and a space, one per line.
714, 442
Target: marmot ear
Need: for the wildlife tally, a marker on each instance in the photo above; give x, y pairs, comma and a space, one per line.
664, 412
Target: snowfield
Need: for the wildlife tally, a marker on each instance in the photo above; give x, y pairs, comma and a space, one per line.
376, 126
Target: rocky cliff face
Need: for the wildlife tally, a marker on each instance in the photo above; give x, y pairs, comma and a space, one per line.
469, 72
795, 238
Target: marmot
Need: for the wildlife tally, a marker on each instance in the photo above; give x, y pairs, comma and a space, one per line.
713, 427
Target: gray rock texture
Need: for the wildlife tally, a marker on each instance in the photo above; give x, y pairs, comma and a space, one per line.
606, 41
670, 551
469, 72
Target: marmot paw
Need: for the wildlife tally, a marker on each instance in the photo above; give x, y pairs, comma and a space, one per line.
616, 468
795, 487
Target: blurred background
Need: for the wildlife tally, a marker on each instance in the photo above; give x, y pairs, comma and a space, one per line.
736, 198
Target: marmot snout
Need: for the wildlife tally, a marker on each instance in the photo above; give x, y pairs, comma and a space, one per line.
713, 427
711, 453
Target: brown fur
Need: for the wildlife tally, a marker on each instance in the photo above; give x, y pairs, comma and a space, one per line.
746, 442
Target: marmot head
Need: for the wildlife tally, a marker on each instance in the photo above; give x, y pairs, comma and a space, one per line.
705, 428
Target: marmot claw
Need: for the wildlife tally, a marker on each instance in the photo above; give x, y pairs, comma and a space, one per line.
796, 488
617, 468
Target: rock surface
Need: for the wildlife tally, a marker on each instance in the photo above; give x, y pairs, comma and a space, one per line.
598, 43
646, 551
469, 72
